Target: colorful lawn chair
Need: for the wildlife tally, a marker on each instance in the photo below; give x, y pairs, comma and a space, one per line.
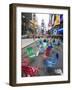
45, 43
25, 61
30, 71
47, 51
51, 61
41, 49
30, 52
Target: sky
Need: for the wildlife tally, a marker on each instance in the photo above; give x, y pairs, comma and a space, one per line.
43, 16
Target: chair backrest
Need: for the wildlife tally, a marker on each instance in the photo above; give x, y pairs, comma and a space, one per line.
30, 52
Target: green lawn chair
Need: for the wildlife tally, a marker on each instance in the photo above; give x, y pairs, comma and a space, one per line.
30, 52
